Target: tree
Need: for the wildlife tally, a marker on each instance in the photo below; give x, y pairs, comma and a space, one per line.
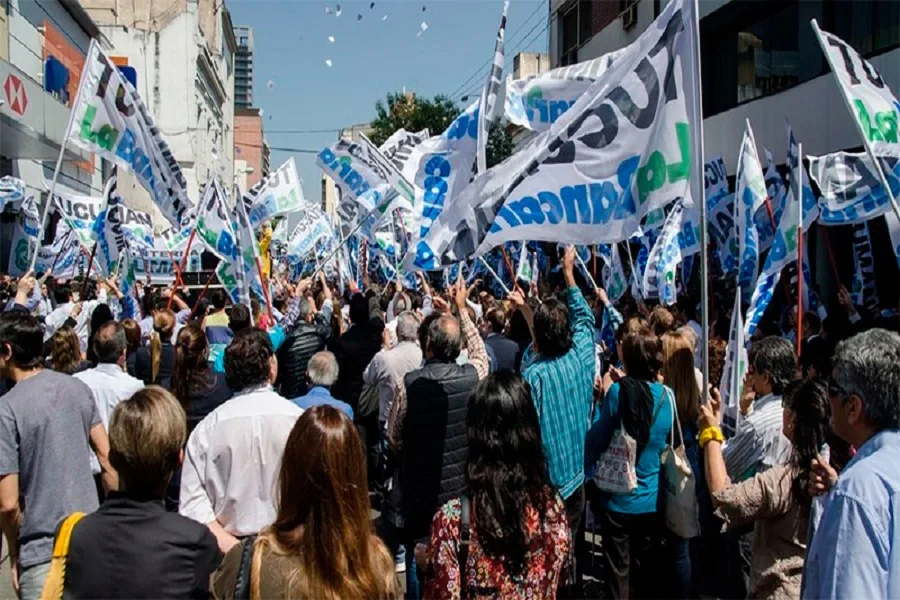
410, 112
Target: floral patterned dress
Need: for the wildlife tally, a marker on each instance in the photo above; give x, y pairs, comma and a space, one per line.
488, 577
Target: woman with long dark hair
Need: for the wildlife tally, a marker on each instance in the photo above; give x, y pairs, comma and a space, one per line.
133, 337
518, 532
102, 314
154, 365
322, 544
776, 500
197, 386
643, 408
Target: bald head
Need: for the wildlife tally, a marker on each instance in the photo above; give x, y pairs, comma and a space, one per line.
444, 338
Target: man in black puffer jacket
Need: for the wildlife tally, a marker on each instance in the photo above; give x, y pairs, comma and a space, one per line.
311, 335
427, 427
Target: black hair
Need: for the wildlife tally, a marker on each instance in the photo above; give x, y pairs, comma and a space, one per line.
445, 338
359, 309
239, 319
62, 294
25, 336
808, 400
642, 355
812, 320
218, 299
688, 306
551, 329
102, 314
775, 357
507, 468
519, 332
247, 359
496, 317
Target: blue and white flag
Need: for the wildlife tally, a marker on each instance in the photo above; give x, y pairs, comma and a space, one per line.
31, 218
720, 214
80, 214
750, 195
12, 190
851, 188
279, 193
863, 289
733, 372
766, 221
525, 270
664, 258
215, 227
613, 275
489, 94
810, 204
893, 225
602, 166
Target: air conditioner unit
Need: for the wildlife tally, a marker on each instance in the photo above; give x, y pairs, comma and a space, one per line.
629, 17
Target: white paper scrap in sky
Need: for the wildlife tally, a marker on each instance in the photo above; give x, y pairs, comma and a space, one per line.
328, 61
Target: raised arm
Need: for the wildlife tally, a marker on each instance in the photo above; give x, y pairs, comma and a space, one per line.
478, 357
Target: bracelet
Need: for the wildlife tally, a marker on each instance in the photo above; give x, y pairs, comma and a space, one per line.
710, 434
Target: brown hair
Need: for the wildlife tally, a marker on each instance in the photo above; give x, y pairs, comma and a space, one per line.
65, 351
191, 369
163, 326
678, 373
642, 355
323, 518
717, 349
661, 321
146, 434
132, 334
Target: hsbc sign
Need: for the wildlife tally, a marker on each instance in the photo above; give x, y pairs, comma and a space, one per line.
16, 96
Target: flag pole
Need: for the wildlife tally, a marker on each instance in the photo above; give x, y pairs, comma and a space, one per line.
800, 250
586, 272
87, 275
179, 269
202, 294
509, 267
871, 153
494, 273
698, 173
59, 158
637, 284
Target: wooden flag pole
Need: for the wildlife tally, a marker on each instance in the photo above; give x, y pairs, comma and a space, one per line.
179, 269
87, 275
800, 253
512, 272
202, 294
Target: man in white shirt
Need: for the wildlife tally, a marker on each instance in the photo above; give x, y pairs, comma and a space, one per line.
63, 296
109, 382
233, 456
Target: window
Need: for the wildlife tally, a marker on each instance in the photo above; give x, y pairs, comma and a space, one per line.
870, 26
576, 28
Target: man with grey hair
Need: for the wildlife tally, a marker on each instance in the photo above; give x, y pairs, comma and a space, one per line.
390, 366
311, 335
108, 381
853, 553
321, 373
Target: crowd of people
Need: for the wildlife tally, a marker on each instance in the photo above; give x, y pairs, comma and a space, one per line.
386, 442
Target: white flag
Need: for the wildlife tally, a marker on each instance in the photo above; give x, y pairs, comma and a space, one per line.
733, 372
666, 255
750, 195
357, 175
489, 94
215, 227
110, 119
278, 194
613, 275
524, 270
851, 188
874, 108
625, 148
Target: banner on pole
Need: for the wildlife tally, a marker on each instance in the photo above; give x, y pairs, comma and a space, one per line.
488, 103
600, 168
110, 119
851, 188
750, 195
277, 194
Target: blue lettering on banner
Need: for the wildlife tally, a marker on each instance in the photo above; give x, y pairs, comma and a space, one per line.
465, 124
437, 172
343, 169
593, 203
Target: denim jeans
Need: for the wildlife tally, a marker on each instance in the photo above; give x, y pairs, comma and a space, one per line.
31, 581
394, 538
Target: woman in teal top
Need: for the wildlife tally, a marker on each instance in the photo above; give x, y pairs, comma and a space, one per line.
629, 524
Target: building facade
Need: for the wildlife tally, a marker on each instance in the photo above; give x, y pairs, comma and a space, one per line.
243, 67
43, 44
251, 151
760, 60
183, 53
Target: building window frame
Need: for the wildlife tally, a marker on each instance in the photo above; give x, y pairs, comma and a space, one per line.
584, 31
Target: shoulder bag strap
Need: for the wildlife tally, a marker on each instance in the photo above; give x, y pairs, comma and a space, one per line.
56, 579
242, 583
465, 526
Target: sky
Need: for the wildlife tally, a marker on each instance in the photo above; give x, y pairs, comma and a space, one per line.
370, 58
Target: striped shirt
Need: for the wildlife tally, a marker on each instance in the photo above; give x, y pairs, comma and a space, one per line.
562, 389
759, 443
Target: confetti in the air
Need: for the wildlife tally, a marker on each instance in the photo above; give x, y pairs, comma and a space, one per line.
328, 10
328, 62
338, 11
384, 18
271, 84
371, 6
359, 16
331, 38
423, 8
423, 26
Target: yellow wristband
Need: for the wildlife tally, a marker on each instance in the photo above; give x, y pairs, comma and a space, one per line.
710, 434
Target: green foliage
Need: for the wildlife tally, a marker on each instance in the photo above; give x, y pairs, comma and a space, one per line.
500, 144
412, 113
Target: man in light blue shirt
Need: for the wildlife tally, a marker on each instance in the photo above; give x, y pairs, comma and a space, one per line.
852, 554
321, 373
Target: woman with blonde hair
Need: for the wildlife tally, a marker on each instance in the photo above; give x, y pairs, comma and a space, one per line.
65, 352
679, 374
322, 544
155, 365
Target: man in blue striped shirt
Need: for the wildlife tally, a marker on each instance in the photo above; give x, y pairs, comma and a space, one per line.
559, 367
